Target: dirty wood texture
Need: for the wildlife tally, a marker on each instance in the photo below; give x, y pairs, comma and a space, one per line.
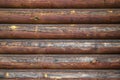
59, 3
59, 46
62, 79
60, 31
59, 40
61, 74
59, 61
70, 16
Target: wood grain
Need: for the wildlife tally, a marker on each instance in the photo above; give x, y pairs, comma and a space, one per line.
60, 31
62, 79
59, 61
32, 46
60, 4
61, 74
60, 16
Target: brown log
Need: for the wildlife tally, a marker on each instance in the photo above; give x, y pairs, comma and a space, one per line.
62, 74
59, 3
59, 61
70, 16
60, 31
59, 46
62, 79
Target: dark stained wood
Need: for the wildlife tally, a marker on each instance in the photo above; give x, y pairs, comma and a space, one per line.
60, 31
60, 3
64, 16
59, 61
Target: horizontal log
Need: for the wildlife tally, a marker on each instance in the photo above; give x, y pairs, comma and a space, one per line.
59, 46
59, 61
60, 31
65, 16
61, 74
62, 79
60, 4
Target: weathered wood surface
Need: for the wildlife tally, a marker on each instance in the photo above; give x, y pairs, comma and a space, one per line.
59, 61
62, 79
60, 3
58, 46
69, 16
60, 31
62, 74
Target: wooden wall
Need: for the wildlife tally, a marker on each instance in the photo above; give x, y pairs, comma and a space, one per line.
59, 39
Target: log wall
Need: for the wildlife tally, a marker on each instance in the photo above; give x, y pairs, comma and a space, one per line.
59, 39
